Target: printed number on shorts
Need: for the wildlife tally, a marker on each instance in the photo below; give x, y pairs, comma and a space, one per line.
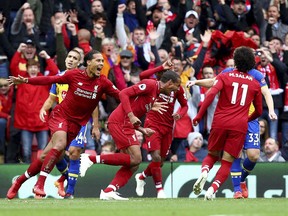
254, 138
80, 138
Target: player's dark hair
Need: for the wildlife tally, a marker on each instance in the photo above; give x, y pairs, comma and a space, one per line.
170, 75
89, 56
244, 59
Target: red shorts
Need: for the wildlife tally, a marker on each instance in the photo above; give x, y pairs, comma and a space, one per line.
160, 140
123, 136
229, 141
57, 122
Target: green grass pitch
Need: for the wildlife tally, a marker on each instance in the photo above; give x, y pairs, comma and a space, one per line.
145, 207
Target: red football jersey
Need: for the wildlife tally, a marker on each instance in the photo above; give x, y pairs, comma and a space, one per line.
138, 99
166, 118
237, 91
83, 94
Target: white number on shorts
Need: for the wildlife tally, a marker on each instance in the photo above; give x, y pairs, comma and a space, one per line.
254, 137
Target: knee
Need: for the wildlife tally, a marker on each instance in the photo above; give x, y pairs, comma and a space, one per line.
136, 160
254, 157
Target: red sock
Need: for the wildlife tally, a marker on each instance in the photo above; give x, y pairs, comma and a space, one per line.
147, 172
32, 170
92, 158
208, 162
157, 174
62, 178
116, 159
121, 178
47, 166
222, 174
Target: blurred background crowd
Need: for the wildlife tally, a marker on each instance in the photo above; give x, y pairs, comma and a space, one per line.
135, 35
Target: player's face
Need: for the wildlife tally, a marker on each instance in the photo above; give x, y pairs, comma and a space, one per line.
72, 60
170, 86
96, 64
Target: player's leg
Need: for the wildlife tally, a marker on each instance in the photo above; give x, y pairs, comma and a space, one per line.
252, 146
216, 140
32, 170
59, 141
236, 178
62, 166
122, 140
75, 149
232, 147
124, 174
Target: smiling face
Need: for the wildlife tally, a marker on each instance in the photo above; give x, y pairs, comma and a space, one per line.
28, 16
33, 70
95, 65
4, 86
29, 52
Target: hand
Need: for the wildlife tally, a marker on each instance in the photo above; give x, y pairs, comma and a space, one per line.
196, 121
95, 133
22, 47
58, 26
174, 158
146, 131
153, 34
167, 64
44, 54
174, 40
273, 116
17, 80
206, 37
71, 26
42, 115
121, 8
133, 119
176, 116
73, 16
25, 6
190, 83
160, 107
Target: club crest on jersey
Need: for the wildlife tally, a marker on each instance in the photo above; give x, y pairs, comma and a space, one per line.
96, 88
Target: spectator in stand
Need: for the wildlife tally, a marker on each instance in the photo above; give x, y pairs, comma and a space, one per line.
264, 131
5, 53
271, 152
123, 75
6, 95
108, 147
195, 151
29, 100
230, 63
24, 26
275, 26
84, 37
238, 18
272, 69
105, 135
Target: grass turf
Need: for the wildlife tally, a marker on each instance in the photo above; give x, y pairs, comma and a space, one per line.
145, 207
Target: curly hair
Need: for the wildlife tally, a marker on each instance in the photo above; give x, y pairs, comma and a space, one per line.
244, 59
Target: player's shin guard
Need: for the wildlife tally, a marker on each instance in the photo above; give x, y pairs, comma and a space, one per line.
72, 175
221, 175
236, 174
247, 167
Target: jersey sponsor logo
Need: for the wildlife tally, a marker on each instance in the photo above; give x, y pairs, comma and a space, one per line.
166, 98
142, 87
148, 107
86, 94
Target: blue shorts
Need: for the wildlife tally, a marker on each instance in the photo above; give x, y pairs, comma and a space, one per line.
252, 137
80, 139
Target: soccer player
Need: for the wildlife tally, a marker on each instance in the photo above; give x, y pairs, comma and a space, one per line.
230, 123
252, 141
159, 143
58, 93
85, 90
135, 102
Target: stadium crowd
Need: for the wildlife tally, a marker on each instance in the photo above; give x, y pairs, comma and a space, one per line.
135, 35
